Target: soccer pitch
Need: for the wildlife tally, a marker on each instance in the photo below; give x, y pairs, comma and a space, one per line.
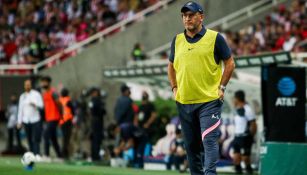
12, 166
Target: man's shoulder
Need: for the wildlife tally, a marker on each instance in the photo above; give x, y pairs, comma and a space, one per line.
35, 92
124, 99
248, 110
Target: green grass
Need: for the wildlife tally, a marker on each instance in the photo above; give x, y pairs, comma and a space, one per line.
12, 166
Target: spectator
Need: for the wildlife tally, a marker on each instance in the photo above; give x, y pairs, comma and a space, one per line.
30, 103
66, 121
13, 131
123, 108
130, 137
97, 109
65, 21
164, 56
147, 115
178, 153
163, 146
138, 53
53, 112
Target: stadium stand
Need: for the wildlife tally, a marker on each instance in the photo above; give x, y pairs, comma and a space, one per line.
34, 30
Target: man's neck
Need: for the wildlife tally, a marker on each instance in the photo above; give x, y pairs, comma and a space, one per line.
191, 34
241, 105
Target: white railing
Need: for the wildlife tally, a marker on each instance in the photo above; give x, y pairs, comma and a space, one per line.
97, 37
230, 19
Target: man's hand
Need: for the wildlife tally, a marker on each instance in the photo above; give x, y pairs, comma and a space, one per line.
19, 125
33, 105
221, 94
146, 126
174, 92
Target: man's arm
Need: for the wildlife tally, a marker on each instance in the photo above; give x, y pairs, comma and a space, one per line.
228, 69
152, 118
253, 127
172, 77
56, 99
229, 66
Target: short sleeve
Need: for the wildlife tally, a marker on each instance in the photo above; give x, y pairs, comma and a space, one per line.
172, 54
221, 49
250, 116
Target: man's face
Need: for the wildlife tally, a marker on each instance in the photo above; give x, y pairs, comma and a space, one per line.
235, 102
27, 85
191, 20
44, 84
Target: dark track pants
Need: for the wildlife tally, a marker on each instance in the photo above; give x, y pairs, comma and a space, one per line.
66, 130
200, 124
51, 135
34, 134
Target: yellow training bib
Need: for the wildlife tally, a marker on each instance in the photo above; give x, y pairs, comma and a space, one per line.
197, 74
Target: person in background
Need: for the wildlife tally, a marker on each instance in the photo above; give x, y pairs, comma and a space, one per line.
130, 137
124, 112
97, 109
245, 130
13, 131
138, 53
178, 153
66, 121
147, 115
53, 114
30, 103
164, 55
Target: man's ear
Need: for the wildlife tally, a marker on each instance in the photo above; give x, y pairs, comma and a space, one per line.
202, 17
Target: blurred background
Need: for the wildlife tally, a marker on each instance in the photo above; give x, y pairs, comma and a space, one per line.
105, 63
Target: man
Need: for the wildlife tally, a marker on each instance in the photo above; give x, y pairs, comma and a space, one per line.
147, 115
123, 109
97, 109
245, 129
30, 102
198, 84
66, 121
130, 137
13, 131
53, 112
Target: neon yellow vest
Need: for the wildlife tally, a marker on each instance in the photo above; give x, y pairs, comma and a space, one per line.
197, 74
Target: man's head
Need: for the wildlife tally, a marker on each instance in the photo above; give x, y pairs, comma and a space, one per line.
28, 85
239, 98
145, 96
192, 16
64, 92
94, 92
125, 90
45, 82
13, 98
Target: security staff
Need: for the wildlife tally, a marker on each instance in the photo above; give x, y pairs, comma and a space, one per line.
53, 112
97, 110
66, 121
245, 129
198, 84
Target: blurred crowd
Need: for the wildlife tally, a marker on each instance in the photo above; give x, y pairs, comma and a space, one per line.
283, 29
33, 30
